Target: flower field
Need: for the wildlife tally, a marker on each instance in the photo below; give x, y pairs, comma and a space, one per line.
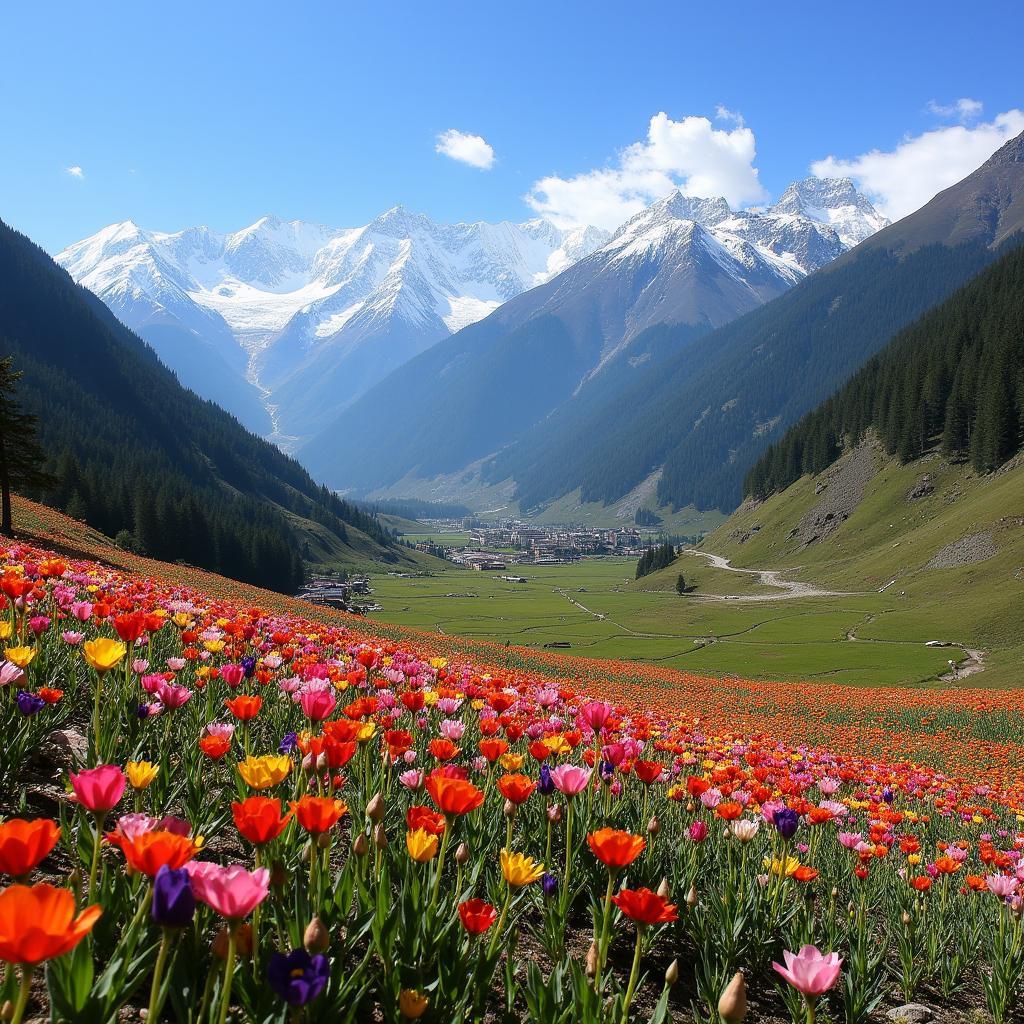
217, 808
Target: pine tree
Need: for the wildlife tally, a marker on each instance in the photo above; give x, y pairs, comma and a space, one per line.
21, 456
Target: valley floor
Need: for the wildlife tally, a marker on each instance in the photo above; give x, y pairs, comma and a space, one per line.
596, 608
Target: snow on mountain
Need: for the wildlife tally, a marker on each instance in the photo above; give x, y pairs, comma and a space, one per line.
285, 323
317, 313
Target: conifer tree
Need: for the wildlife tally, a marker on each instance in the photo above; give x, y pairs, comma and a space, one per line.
21, 456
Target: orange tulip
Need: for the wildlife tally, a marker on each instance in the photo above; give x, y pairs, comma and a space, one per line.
318, 814
614, 848
244, 707
454, 796
148, 852
38, 923
23, 844
516, 788
259, 819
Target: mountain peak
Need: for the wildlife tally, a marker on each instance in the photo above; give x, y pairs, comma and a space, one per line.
832, 201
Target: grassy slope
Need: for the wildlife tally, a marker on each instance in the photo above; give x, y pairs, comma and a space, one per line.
889, 537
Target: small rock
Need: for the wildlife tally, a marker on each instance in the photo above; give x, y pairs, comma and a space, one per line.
922, 488
63, 748
911, 1013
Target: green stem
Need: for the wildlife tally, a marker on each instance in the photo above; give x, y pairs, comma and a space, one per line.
23, 991
500, 926
96, 857
633, 974
602, 946
568, 855
229, 973
440, 863
153, 1014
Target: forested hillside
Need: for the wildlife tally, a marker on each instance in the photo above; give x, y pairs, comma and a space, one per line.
704, 416
139, 456
954, 380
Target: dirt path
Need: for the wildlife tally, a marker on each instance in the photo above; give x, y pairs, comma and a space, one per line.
767, 577
970, 666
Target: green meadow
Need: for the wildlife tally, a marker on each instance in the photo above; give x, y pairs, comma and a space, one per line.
597, 608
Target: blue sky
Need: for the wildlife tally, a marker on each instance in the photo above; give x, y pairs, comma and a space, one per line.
217, 113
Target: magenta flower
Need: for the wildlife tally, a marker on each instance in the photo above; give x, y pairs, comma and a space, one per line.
232, 675
317, 703
809, 971
99, 789
595, 714
570, 779
233, 892
172, 696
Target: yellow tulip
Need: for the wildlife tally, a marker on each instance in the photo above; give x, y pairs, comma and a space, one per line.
214, 646
786, 867
558, 745
103, 653
511, 762
430, 697
265, 771
438, 662
5, 630
20, 656
412, 1003
181, 620
140, 773
366, 731
519, 870
422, 845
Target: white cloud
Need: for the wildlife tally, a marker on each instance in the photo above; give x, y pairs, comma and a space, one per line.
964, 109
905, 178
466, 148
689, 154
75, 171
723, 113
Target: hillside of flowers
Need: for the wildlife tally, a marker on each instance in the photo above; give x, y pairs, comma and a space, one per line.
220, 810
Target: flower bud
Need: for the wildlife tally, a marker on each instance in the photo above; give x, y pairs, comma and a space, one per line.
672, 973
653, 826
462, 854
323, 841
361, 845
906, 919
375, 808
7, 1011
509, 810
322, 762
555, 813
663, 889
309, 764
691, 897
732, 1007
380, 837
316, 938
592, 960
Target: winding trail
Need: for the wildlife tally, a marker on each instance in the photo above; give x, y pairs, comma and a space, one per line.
766, 577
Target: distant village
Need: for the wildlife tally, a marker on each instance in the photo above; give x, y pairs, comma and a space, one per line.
340, 592
494, 547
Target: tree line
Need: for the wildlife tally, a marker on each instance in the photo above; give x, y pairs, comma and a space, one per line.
952, 381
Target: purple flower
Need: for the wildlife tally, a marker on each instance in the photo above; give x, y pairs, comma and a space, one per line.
545, 786
248, 666
297, 977
607, 771
29, 704
288, 743
786, 820
549, 884
174, 903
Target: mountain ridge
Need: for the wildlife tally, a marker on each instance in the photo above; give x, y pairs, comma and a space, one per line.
692, 262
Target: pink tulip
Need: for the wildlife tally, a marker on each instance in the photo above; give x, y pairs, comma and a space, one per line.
1003, 886
72, 637
173, 696
233, 892
232, 675
809, 972
697, 832
99, 789
10, 673
571, 779
82, 610
317, 704
595, 714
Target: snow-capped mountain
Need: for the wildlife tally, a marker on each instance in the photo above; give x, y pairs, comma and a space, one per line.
284, 323
683, 264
